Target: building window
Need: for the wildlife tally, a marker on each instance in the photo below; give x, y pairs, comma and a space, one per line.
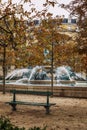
73, 21
65, 20
36, 22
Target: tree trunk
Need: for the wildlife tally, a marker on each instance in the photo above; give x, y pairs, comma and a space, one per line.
52, 60
4, 67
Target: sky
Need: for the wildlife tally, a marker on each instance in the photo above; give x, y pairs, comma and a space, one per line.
55, 10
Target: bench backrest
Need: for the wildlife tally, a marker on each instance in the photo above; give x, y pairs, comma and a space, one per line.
44, 93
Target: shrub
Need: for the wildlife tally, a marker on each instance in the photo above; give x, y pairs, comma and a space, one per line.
38, 128
5, 124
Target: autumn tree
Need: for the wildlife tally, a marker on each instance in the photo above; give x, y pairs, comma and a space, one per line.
49, 38
12, 31
79, 10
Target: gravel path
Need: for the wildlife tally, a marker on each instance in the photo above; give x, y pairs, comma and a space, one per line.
67, 114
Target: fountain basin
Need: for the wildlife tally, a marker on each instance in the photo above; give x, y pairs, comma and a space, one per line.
59, 91
42, 81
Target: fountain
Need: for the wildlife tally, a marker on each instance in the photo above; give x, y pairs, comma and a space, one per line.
66, 82
18, 74
63, 75
36, 75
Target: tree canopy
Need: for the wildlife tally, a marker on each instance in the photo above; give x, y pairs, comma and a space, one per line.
78, 9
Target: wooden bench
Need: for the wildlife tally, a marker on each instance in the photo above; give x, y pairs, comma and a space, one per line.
46, 105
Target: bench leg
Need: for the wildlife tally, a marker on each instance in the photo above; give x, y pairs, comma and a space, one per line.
13, 107
47, 109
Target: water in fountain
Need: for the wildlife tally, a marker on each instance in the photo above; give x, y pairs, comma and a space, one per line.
66, 73
26, 75
18, 74
38, 73
62, 74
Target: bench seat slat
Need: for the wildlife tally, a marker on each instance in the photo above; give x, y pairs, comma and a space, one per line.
30, 103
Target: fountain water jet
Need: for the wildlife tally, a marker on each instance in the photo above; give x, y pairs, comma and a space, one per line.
63, 75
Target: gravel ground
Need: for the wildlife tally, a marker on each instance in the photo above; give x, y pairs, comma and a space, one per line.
67, 114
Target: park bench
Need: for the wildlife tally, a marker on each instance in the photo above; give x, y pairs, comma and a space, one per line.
46, 105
